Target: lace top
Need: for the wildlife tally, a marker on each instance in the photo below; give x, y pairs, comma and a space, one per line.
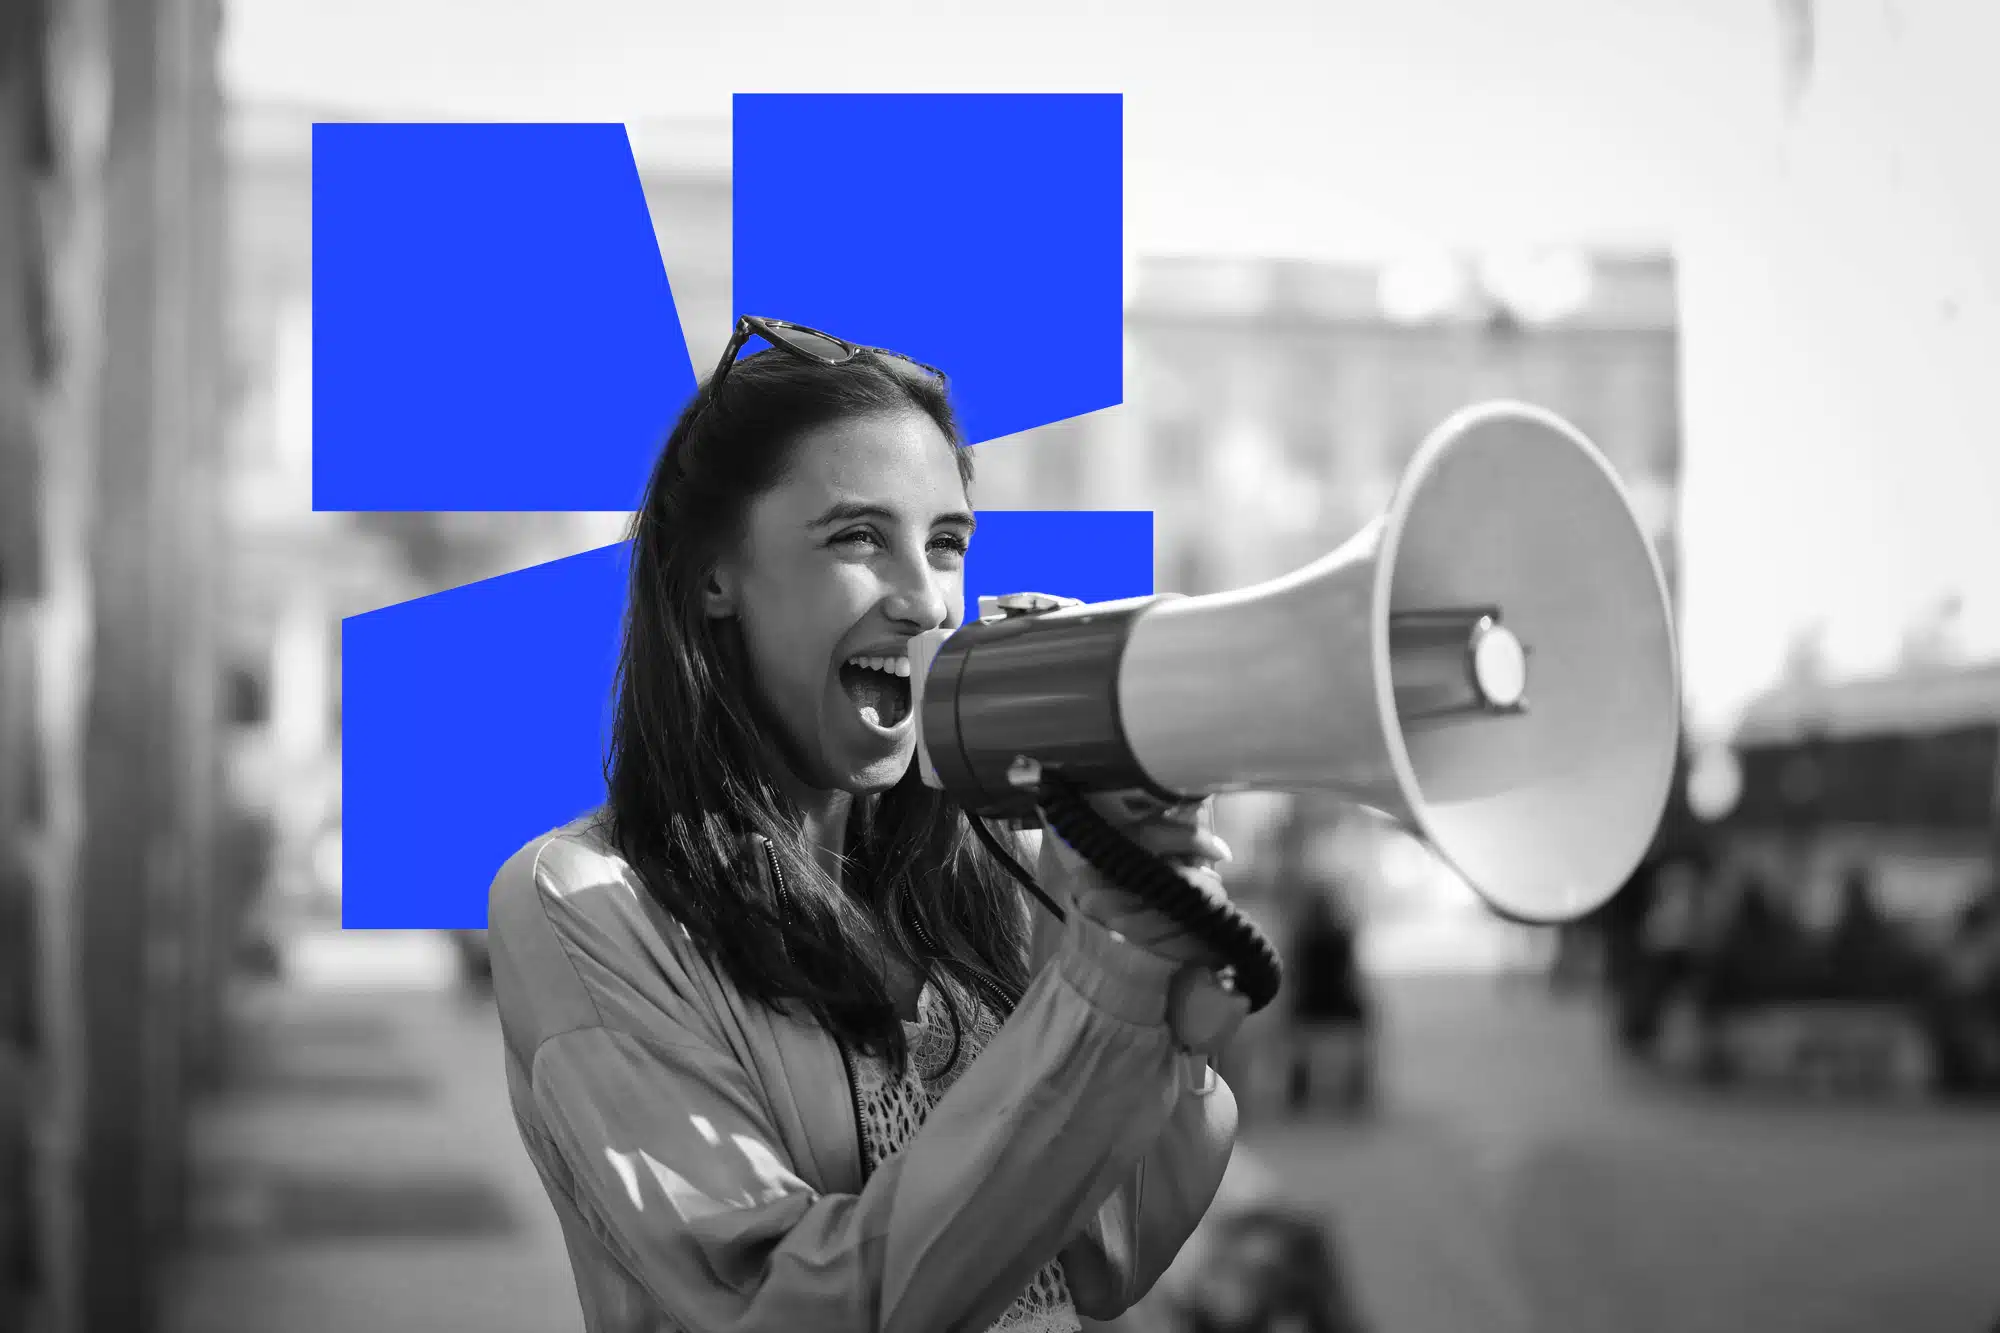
892, 1111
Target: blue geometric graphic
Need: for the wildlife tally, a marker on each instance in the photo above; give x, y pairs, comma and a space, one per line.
486, 337
470, 715
492, 329
988, 239
1099, 555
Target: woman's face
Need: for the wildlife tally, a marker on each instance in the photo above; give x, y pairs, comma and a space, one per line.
858, 549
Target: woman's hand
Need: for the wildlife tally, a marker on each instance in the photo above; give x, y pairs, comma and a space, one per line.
1201, 1011
1180, 834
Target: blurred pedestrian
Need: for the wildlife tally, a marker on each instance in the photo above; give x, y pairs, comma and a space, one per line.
1866, 955
1758, 957
1659, 956
1961, 1005
1331, 1015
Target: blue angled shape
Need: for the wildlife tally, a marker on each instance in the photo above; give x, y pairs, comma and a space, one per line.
983, 234
474, 719
1097, 555
492, 327
985, 237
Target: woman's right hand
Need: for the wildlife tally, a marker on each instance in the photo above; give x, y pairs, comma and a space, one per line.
1181, 834
1202, 1013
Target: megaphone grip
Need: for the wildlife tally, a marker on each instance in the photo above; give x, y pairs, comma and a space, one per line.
1258, 972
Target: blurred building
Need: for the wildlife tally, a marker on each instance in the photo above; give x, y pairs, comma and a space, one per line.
170, 606
1271, 405
1896, 775
112, 886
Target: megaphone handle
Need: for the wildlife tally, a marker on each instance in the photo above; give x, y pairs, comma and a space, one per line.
1257, 971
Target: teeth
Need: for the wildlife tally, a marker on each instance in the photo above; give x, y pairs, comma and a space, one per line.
894, 666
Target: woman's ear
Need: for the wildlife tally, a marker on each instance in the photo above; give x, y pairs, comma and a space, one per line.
718, 594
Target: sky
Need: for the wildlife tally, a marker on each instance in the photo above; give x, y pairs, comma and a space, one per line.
1839, 252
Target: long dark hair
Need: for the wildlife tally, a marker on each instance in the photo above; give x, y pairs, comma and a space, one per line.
686, 768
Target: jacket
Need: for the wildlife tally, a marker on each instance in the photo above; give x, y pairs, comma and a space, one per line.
703, 1152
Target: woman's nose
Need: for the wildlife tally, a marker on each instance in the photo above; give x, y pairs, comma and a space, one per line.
918, 599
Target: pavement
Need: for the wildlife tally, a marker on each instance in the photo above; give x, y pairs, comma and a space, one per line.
364, 1173
1522, 1176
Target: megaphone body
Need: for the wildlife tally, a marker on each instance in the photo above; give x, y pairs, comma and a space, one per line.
1490, 663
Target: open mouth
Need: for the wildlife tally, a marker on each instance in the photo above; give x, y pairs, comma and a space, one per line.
880, 689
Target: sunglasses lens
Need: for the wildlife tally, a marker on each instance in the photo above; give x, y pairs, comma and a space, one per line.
812, 344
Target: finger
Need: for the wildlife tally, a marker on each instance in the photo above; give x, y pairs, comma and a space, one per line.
1208, 881
1120, 808
1109, 903
1117, 898
1177, 840
1188, 814
1239, 1011
1163, 838
1203, 1012
1145, 805
1133, 804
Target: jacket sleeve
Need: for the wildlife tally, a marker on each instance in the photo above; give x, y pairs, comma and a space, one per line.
660, 1138
1134, 1236
1141, 1227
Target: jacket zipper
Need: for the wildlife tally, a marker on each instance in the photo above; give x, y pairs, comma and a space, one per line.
957, 1036
846, 1061
924, 935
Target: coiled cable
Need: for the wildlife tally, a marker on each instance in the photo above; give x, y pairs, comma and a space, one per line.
1252, 968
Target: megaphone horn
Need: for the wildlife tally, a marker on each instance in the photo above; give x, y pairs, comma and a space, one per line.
1491, 663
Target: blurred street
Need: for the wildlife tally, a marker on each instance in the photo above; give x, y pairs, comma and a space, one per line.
363, 1172
1523, 1178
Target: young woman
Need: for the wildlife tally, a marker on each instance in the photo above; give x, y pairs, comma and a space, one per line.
788, 1048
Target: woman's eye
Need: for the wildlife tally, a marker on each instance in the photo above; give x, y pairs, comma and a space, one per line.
951, 543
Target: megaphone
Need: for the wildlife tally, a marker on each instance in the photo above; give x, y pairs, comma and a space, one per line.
1491, 663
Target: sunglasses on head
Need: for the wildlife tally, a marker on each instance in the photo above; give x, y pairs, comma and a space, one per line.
809, 344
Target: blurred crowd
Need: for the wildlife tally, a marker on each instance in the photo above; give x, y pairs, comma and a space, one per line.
1690, 945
